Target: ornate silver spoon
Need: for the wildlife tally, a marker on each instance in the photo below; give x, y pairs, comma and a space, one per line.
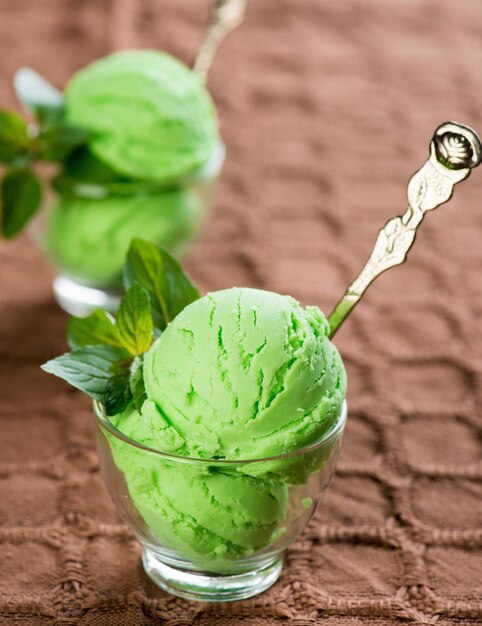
226, 15
454, 150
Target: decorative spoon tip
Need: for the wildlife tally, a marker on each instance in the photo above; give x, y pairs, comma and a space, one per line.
455, 150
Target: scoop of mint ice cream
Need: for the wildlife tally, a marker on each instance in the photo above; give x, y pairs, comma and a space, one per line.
151, 117
88, 238
245, 374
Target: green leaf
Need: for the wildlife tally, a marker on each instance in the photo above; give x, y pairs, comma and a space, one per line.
83, 173
38, 95
134, 322
14, 138
136, 382
83, 166
122, 366
117, 394
21, 194
56, 142
87, 369
96, 329
169, 289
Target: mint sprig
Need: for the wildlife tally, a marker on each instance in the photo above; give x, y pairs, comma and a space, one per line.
134, 323
50, 138
88, 369
96, 329
57, 141
106, 361
117, 394
169, 289
136, 382
21, 195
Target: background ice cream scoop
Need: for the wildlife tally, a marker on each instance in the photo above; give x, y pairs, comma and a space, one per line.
245, 373
151, 116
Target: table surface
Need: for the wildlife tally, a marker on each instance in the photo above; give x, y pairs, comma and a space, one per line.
326, 109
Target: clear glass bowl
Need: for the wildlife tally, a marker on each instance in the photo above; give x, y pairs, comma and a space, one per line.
86, 232
214, 530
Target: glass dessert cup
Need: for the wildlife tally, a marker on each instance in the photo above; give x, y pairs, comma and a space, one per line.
214, 530
86, 234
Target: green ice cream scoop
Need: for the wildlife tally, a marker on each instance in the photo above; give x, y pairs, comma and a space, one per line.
245, 374
151, 117
197, 511
88, 238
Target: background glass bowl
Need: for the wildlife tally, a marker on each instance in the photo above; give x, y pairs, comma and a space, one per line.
86, 231
211, 529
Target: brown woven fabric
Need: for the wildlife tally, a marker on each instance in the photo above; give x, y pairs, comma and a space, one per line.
326, 108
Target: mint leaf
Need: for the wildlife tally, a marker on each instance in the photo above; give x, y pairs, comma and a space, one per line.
169, 289
14, 138
136, 382
96, 329
122, 366
56, 142
83, 166
38, 95
21, 194
87, 369
81, 170
117, 394
134, 322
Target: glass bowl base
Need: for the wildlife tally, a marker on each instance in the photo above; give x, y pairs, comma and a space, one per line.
208, 587
81, 300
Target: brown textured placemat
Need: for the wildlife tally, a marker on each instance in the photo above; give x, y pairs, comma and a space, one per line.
326, 108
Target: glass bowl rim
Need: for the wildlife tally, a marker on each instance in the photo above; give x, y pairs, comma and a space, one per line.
336, 429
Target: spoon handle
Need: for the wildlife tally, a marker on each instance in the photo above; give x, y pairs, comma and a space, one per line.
454, 151
226, 15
